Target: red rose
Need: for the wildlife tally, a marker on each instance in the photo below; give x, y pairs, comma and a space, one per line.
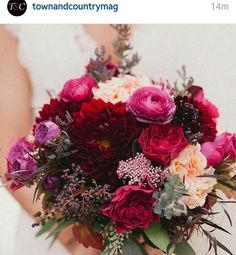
131, 207
162, 143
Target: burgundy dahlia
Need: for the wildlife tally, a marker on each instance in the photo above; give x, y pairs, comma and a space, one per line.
104, 133
51, 111
57, 111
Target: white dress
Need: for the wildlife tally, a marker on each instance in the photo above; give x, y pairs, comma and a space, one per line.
52, 54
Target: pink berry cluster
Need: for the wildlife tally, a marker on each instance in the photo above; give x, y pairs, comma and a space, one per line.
137, 169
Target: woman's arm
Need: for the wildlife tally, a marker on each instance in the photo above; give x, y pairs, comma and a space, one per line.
15, 105
16, 121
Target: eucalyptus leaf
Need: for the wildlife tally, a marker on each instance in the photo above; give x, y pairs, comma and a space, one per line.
45, 228
158, 236
183, 248
62, 225
132, 248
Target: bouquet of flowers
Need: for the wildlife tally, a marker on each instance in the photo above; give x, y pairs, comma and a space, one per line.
122, 157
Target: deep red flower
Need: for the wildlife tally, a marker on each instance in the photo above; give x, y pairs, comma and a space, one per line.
56, 110
207, 123
131, 207
197, 116
104, 133
162, 143
208, 113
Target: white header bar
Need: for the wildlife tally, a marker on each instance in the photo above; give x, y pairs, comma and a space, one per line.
118, 11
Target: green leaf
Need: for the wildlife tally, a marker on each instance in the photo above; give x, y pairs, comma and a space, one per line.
62, 225
132, 248
45, 228
158, 236
183, 248
53, 241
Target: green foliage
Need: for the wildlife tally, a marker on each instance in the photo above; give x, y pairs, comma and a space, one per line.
114, 242
158, 236
61, 225
45, 228
169, 202
183, 248
131, 247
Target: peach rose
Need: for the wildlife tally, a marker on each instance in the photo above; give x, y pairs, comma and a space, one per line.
189, 165
120, 89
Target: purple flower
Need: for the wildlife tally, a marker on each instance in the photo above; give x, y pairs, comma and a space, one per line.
51, 183
152, 105
21, 162
78, 90
45, 131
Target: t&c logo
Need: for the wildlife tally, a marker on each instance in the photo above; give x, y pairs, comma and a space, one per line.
17, 7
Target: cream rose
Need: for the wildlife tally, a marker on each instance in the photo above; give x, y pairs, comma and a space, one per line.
120, 89
189, 165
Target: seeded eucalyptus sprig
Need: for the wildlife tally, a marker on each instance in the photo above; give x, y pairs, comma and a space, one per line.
123, 49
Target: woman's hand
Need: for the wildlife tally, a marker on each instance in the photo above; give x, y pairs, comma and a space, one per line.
152, 251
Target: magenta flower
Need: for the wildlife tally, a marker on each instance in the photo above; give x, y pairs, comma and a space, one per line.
45, 131
78, 90
21, 162
152, 105
223, 146
214, 154
228, 143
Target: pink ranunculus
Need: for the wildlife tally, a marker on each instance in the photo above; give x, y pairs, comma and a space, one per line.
152, 105
198, 96
131, 207
78, 90
213, 153
20, 160
162, 143
227, 142
45, 131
